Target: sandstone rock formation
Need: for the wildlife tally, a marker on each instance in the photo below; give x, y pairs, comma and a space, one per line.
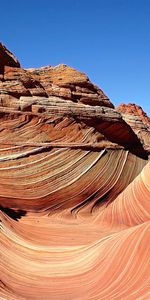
134, 111
75, 188
6, 59
139, 121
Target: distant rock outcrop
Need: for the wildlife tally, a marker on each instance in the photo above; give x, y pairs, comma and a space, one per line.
74, 188
135, 111
138, 120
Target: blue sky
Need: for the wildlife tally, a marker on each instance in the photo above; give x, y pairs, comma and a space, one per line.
107, 39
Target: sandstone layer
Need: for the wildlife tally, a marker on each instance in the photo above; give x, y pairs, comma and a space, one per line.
75, 188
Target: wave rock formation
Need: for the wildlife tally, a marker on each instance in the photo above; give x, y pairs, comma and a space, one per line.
74, 188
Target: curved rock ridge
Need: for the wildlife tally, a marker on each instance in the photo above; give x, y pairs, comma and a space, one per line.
75, 189
102, 257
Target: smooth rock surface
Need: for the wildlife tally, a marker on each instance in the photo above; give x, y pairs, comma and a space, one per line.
74, 189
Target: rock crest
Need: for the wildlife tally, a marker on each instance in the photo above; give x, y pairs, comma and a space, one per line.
7, 58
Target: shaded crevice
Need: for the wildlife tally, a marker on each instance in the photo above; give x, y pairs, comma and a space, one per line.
13, 214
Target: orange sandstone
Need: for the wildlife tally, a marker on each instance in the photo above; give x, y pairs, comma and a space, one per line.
75, 188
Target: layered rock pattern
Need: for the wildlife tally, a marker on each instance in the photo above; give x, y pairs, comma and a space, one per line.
138, 120
74, 190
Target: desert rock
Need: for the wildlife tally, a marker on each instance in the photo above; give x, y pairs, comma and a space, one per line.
74, 192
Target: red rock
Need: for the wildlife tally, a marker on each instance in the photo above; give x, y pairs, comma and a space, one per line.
134, 110
138, 120
7, 58
74, 189
15, 88
66, 82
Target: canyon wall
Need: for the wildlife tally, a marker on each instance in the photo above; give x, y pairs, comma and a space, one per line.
75, 188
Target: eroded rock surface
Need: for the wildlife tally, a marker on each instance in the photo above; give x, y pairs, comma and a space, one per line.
138, 120
7, 59
74, 193
134, 111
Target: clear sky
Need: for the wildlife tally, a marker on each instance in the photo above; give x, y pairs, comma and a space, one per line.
109, 40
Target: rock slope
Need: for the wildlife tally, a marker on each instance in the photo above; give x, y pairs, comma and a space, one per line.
74, 191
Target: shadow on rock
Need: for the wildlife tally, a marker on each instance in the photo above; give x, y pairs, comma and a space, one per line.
14, 214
